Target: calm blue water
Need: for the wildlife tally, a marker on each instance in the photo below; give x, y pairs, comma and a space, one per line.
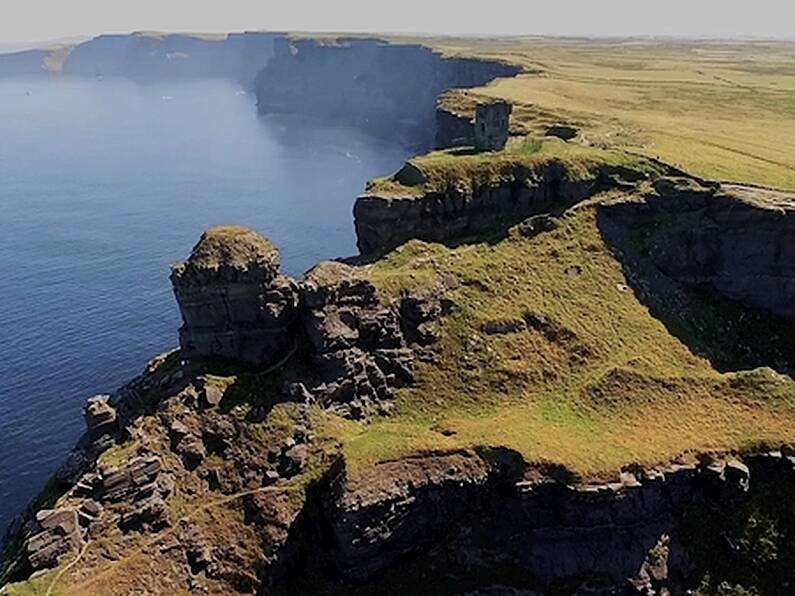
102, 186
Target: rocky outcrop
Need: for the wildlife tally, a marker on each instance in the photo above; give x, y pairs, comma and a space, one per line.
463, 209
386, 89
737, 241
58, 535
235, 304
101, 417
355, 342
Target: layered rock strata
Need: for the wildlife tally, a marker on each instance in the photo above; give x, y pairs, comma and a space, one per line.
386, 89
235, 304
462, 209
455, 517
737, 241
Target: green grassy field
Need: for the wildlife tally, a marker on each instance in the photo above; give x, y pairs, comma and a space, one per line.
582, 374
592, 381
720, 110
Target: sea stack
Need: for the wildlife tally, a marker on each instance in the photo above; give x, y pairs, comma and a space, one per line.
235, 304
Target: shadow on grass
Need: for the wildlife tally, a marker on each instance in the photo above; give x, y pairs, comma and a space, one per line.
730, 335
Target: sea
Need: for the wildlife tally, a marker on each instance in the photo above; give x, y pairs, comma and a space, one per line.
103, 185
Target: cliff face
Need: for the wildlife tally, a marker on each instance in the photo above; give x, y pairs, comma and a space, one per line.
460, 210
23, 63
383, 88
737, 241
146, 57
463, 520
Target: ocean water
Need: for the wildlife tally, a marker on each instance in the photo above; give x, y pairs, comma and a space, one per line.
103, 184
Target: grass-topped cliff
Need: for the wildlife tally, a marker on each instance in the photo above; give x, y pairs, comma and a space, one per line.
440, 170
551, 352
523, 385
718, 109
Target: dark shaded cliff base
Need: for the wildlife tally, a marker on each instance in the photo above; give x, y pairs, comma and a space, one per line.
555, 369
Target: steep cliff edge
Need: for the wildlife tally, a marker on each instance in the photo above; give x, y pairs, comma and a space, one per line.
149, 56
736, 241
386, 89
451, 195
140, 56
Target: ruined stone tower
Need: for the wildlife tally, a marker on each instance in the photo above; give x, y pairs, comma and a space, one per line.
492, 125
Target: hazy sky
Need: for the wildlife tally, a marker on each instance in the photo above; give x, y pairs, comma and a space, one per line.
29, 20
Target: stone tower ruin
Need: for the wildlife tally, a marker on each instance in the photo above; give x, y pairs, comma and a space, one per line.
492, 125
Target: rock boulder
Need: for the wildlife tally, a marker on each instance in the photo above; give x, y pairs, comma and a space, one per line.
234, 302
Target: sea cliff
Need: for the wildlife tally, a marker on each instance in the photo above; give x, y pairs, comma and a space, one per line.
382, 88
554, 369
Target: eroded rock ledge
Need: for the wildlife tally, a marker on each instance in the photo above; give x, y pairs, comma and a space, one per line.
453, 518
237, 306
463, 207
737, 241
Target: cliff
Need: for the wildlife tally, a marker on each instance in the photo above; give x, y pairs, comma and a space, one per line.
733, 240
142, 57
148, 56
386, 89
485, 193
569, 372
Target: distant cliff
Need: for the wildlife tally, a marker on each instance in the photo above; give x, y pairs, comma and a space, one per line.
239, 56
145, 56
386, 89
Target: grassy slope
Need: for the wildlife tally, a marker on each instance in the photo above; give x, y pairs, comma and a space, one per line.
448, 167
601, 385
719, 110
595, 382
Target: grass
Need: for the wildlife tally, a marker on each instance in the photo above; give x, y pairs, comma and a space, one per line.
594, 382
446, 168
720, 110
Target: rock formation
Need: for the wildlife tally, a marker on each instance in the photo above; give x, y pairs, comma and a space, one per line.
235, 304
738, 241
462, 209
355, 342
101, 417
59, 535
386, 89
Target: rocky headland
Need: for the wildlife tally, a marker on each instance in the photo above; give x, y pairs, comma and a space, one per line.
554, 369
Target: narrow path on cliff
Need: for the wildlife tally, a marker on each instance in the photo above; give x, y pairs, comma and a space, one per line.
76, 589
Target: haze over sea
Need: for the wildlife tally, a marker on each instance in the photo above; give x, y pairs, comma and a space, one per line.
103, 184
